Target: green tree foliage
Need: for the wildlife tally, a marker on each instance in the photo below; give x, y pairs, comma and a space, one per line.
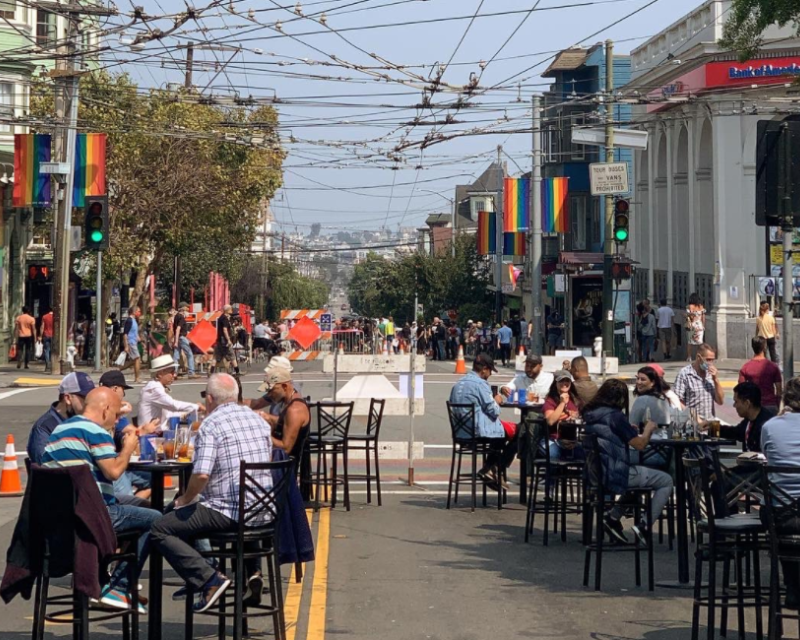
181, 178
386, 287
281, 286
750, 18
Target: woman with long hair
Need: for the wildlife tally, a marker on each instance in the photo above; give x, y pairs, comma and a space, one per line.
606, 419
650, 392
561, 404
695, 324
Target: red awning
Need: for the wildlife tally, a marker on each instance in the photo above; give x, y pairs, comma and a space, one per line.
580, 258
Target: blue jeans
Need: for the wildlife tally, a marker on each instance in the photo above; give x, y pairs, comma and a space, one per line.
47, 346
186, 347
123, 486
125, 518
440, 349
647, 347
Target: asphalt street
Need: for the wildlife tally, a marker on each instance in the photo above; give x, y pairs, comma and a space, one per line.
411, 569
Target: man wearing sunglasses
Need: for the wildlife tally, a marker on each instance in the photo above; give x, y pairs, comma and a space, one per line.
697, 385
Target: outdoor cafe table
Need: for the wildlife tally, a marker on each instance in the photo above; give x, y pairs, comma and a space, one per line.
525, 408
158, 471
680, 447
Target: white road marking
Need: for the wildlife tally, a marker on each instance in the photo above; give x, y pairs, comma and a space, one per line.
13, 392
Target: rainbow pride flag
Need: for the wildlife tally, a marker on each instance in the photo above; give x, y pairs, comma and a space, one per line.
487, 233
31, 188
516, 204
555, 205
514, 244
90, 167
514, 274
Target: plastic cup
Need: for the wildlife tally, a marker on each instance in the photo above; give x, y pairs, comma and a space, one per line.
521, 396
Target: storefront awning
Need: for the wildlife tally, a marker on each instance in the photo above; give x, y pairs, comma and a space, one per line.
580, 258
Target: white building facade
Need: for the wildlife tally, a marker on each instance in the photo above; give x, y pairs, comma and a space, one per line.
693, 211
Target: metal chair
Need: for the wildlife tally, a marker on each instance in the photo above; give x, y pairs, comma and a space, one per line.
330, 438
49, 530
258, 500
464, 430
368, 443
780, 509
555, 474
721, 538
596, 503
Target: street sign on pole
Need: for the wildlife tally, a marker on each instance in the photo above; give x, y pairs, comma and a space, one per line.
608, 178
624, 138
326, 322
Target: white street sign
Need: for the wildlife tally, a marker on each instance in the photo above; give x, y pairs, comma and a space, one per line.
623, 138
54, 167
508, 287
608, 178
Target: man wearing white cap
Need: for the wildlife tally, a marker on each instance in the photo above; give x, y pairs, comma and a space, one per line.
155, 401
275, 408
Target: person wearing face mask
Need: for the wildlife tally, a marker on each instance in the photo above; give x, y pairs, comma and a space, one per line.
71, 399
697, 385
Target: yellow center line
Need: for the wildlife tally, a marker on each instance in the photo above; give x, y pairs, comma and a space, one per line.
291, 605
319, 587
38, 382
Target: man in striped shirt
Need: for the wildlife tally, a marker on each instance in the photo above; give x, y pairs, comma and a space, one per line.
87, 439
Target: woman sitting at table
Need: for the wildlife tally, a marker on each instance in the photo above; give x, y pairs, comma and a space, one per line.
560, 405
651, 395
606, 418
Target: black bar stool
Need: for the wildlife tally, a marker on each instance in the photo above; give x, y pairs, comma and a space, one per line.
330, 438
258, 500
368, 443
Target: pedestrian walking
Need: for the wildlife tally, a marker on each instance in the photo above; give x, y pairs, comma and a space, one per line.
648, 325
695, 324
764, 373
25, 330
46, 338
504, 336
666, 317
697, 385
132, 340
767, 328
555, 332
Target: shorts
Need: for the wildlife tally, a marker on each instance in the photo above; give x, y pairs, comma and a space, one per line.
665, 335
132, 351
223, 352
554, 339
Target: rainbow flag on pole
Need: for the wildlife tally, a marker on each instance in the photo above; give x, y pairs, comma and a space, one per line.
90, 167
487, 233
31, 188
516, 204
514, 244
514, 274
555, 205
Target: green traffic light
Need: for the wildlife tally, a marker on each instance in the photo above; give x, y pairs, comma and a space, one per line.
621, 235
97, 236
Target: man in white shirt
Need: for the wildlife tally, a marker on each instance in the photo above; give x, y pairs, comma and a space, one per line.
666, 317
156, 402
534, 380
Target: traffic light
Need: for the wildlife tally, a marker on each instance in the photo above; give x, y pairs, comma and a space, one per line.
621, 221
95, 225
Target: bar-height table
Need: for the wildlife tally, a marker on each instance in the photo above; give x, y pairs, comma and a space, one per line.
158, 471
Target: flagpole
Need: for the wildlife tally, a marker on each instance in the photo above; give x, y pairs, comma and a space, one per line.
498, 274
536, 235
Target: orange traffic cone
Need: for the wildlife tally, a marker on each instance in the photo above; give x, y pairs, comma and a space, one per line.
402, 347
461, 365
341, 348
521, 350
168, 482
10, 481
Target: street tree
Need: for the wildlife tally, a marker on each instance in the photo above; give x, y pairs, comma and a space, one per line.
744, 29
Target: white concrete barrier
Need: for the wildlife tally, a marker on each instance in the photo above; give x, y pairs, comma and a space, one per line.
553, 363
356, 363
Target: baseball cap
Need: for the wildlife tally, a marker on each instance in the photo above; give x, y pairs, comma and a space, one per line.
114, 378
563, 374
657, 368
533, 358
485, 360
281, 362
274, 377
77, 383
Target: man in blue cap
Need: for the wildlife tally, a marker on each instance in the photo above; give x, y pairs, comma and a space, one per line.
71, 395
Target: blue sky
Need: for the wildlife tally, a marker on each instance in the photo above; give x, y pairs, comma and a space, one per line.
342, 126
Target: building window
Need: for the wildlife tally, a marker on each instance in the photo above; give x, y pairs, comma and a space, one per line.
6, 105
8, 9
577, 207
578, 151
45, 28
484, 203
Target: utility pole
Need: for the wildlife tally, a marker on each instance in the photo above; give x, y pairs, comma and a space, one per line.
412, 389
608, 247
65, 205
498, 274
788, 262
187, 77
536, 231
187, 83
99, 327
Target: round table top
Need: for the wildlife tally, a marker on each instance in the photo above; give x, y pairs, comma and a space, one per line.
526, 406
166, 465
706, 442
